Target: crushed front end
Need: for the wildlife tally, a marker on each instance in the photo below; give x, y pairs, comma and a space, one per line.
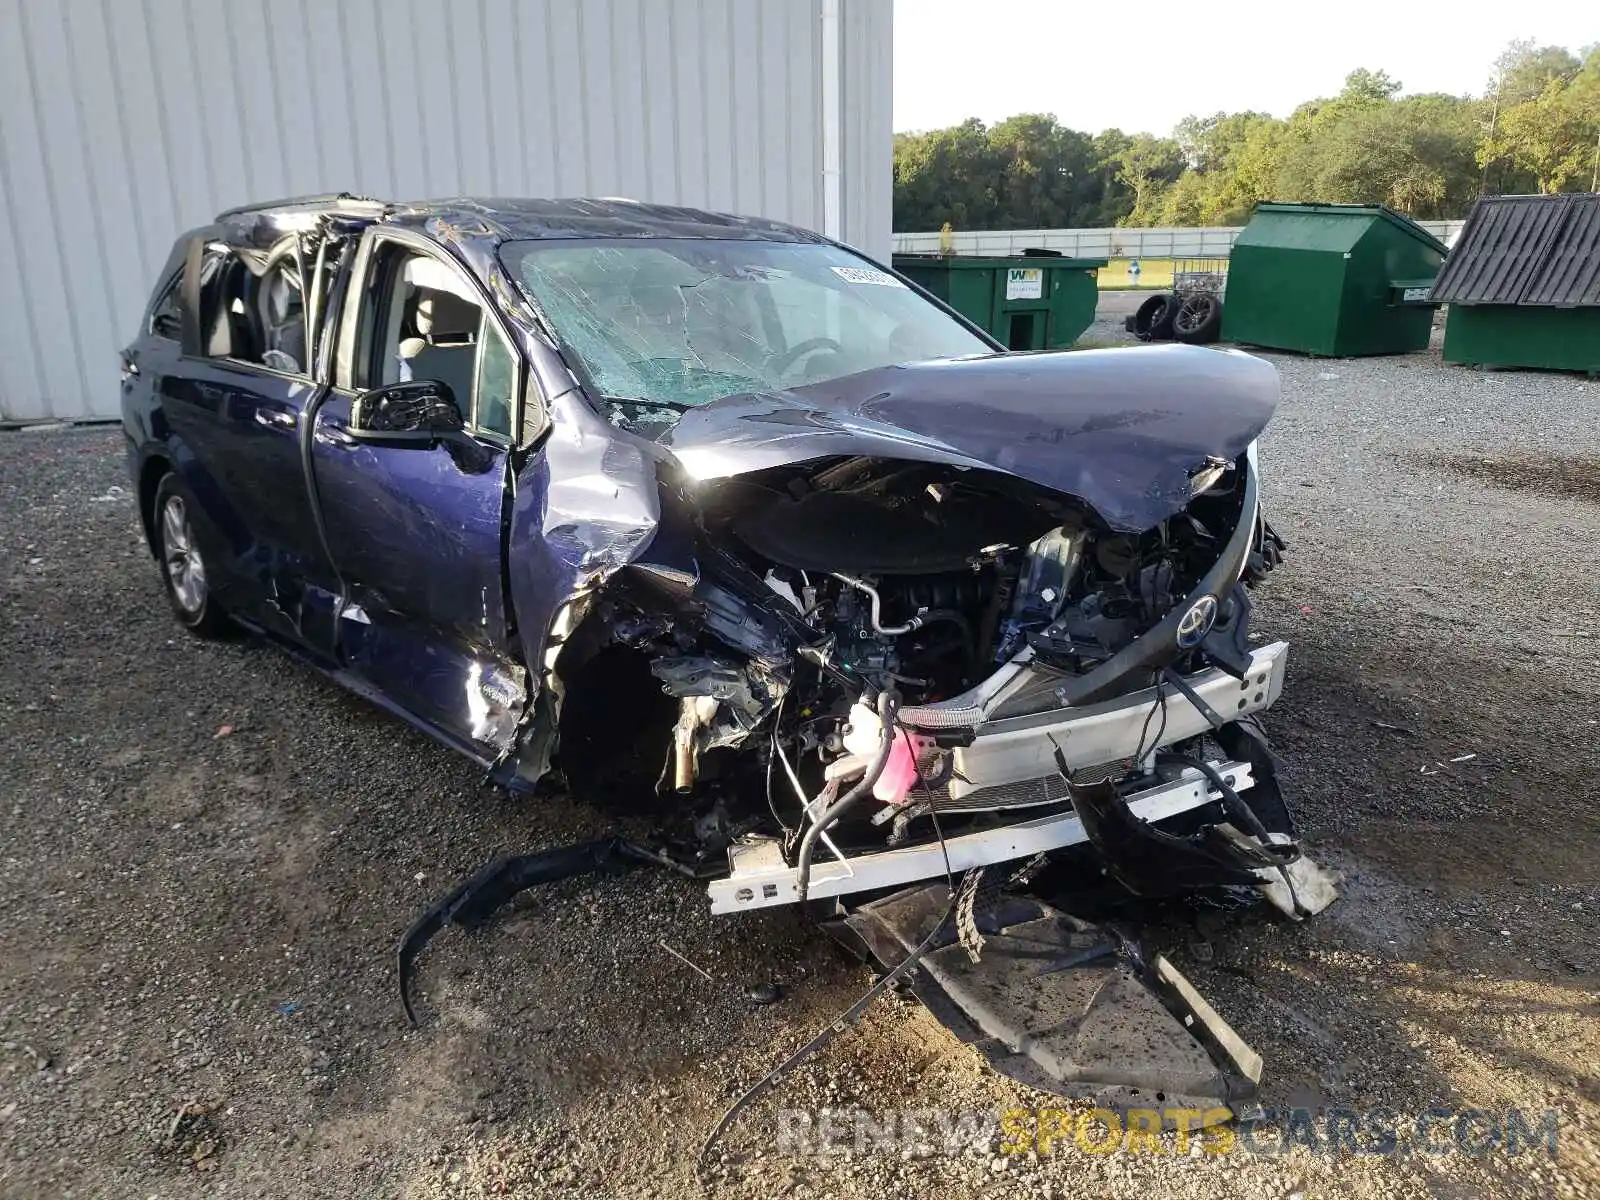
943, 674
943, 650
1052, 683
871, 671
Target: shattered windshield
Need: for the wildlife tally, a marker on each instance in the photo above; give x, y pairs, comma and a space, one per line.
682, 322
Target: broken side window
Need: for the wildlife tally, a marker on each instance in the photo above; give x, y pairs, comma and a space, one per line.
225, 326
282, 318
166, 314
420, 319
259, 321
497, 382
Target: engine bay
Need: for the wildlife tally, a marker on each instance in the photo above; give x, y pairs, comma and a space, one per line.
783, 606
926, 577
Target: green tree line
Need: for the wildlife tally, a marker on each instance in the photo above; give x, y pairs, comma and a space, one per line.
1536, 128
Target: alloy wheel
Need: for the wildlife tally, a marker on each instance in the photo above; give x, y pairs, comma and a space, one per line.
186, 571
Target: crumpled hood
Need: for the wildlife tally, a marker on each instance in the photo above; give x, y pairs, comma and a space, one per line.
1122, 430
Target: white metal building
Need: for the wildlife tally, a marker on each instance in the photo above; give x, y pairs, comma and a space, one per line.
124, 122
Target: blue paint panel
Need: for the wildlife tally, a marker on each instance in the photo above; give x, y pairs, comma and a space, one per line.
242, 431
416, 536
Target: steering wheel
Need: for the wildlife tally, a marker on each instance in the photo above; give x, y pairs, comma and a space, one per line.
781, 364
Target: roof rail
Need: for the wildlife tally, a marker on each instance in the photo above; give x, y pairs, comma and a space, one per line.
324, 200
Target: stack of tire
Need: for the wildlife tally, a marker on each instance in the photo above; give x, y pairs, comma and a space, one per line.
1195, 317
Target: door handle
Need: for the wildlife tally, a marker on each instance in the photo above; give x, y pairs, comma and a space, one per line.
275, 418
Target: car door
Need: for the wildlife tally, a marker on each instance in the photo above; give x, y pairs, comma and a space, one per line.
148, 360
236, 405
417, 531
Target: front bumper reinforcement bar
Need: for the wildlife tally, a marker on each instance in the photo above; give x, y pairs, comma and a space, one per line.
759, 877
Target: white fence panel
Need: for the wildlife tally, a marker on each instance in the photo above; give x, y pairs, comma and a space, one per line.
1117, 242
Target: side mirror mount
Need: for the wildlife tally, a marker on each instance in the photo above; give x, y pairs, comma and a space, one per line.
419, 412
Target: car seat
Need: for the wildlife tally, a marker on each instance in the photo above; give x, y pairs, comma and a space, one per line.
445, 345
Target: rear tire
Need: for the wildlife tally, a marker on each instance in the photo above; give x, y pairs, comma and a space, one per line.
1153, 320
1198, 320
183, 569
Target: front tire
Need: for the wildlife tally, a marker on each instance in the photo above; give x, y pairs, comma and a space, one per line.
183, 568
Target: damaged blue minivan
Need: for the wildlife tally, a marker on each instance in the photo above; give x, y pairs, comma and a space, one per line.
715, 520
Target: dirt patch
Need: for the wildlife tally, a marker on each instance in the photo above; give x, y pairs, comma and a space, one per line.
1567, 477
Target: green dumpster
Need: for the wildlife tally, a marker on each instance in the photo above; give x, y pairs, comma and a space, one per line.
1523, 284
1334, 279
1026, 301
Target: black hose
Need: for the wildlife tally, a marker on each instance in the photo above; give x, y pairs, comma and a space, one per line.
946, 614
888, 709
1231, 800
1235, 804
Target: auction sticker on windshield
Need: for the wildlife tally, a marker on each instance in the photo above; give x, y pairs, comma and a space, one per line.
867, 275
1025, 283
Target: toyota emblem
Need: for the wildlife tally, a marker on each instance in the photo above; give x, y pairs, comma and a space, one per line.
1197, 622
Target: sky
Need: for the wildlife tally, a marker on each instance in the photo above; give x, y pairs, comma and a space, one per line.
1144, 66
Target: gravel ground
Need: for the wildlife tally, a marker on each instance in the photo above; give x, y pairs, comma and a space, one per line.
212, 852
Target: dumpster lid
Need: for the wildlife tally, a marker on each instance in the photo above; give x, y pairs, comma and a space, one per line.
1382, 211
1535, 250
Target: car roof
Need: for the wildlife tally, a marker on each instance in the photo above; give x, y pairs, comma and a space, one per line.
510, 219
517, 219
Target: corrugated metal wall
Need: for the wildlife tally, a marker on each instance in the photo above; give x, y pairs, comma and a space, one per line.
124, 122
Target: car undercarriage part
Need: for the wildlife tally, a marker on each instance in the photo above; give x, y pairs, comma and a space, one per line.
1061, 1004
1149, 861
694, 713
